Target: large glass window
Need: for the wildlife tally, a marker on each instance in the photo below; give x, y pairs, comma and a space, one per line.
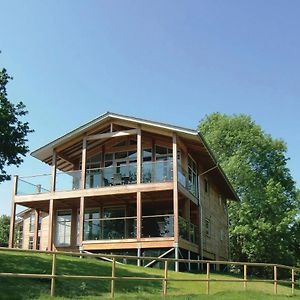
63, 228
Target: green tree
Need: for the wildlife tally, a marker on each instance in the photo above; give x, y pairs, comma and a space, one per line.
263, 224
13, 132
4, 230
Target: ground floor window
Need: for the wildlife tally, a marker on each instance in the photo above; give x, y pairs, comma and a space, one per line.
63, 228
30, 243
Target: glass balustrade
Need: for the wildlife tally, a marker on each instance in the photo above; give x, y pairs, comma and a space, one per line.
110, 228
67, 181
187, 230
110, 176
30, 185
158, 226
122, 174
185, 180
158, 171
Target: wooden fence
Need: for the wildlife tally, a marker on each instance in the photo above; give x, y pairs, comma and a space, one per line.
164, 279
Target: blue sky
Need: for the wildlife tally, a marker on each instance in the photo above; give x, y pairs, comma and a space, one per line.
170, 61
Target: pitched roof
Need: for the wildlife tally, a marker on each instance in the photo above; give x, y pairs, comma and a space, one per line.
45, 151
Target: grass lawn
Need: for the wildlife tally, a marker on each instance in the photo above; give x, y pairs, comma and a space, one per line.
20, 288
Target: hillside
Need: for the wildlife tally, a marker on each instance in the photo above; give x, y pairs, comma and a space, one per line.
20, 288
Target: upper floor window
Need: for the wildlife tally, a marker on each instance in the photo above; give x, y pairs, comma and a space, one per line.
193, 178
147, 154
163, 153
31, 222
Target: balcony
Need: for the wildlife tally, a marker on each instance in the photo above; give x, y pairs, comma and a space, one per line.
125, 227
152, 172
110, 228
116, 175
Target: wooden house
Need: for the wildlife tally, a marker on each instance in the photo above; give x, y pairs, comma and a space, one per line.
121, 184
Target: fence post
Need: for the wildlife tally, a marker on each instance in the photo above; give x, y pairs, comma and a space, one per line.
113, 272
207, 278
53, 274
165, 280
293, 281
245, 277
275, 280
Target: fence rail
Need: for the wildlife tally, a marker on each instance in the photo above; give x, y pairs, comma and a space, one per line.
164, 278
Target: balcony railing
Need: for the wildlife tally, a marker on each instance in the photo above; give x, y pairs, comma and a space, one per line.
37, 184
157, 171
185, 180
68, 181
110, 228
187, 230
125, 227
109, 176
158, 226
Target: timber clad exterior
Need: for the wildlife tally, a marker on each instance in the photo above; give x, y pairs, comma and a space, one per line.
125, 185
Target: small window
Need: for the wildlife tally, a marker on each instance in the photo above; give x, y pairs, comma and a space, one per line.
30, 244
206, 185
207, 227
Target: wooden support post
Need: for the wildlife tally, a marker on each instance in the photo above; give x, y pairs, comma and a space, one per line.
175, 189
207, 278
51, 220
53, 274
113, 272
138, 215
275, 280
245, 277
83, 163
81, 221
139, 157
36, 230
13, 214
293, 281
165, 280
53, 173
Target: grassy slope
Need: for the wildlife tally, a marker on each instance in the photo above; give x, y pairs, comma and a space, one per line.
17, 288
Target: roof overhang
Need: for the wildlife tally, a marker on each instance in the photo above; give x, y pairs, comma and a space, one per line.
46, 151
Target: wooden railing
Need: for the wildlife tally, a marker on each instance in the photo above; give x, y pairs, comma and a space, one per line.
164, 278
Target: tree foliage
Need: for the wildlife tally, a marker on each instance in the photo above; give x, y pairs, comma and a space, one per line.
4, 230
264, 223
13, 132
